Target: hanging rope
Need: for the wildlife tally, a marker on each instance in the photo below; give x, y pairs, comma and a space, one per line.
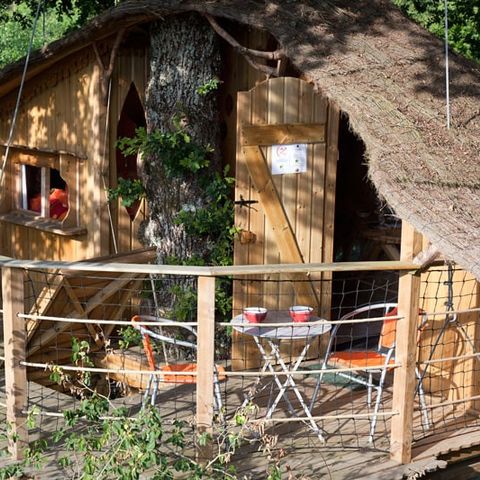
102, 173
20, 90
447, 69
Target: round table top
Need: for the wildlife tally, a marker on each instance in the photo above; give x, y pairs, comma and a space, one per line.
313, 328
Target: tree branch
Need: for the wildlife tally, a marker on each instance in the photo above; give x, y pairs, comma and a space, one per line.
275, 55
107, 72
113, 53
271, 72
98, 57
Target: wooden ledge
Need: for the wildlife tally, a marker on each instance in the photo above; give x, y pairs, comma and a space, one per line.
42, 151
26, 219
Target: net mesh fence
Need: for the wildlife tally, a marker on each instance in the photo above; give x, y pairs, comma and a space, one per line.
319, 375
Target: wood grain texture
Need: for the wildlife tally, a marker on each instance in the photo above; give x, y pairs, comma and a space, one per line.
288, 216
404, 383
283, 134
205, 362
14, 334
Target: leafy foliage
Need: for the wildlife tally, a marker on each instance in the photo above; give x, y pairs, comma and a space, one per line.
15, 31
464, 22
180, 156
129, 336
209, 87
105, 443
80, 11
128, 190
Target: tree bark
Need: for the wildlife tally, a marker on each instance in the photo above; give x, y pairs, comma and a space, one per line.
184, 55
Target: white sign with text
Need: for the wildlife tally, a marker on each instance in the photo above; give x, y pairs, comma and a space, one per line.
289, 158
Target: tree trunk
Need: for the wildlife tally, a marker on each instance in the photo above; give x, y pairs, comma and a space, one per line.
184, 56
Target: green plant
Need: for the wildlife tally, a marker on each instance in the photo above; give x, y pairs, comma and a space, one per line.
464, 22
106, 444
128, 190
129, 336
180, 156
209, 86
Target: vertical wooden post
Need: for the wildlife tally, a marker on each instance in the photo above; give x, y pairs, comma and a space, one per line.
406, 351
15, 373
205, 361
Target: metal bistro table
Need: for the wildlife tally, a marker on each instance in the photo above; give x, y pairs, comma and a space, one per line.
274, 332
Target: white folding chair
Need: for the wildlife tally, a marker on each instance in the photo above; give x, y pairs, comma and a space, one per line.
172, 373
383, 357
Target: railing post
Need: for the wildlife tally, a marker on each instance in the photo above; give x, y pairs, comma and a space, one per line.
205, 362
404, 382
14, 333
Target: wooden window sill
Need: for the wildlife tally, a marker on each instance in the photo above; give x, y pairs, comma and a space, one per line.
27, 219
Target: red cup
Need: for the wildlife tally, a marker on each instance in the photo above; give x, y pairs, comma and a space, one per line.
300, 313
255, 314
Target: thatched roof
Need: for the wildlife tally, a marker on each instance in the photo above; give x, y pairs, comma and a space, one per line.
387, 74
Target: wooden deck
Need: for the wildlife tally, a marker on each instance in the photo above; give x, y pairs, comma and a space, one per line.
346, 454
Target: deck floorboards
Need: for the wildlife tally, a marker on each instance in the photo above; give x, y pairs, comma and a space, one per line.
345, 455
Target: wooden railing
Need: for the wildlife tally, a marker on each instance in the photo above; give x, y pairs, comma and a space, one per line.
15, 338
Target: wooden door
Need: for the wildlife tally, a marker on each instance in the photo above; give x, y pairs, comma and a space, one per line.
283, 218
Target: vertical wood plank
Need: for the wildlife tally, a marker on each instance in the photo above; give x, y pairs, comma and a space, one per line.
318, 194
259, 110
289, 194
205, 362
15, 374
404, 382
276, 94
333, 123
244, 351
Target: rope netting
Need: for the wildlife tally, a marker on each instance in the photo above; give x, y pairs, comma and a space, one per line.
448, 350
327, 383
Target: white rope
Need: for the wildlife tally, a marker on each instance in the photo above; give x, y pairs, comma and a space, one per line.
107, 126
447, 69
19, 95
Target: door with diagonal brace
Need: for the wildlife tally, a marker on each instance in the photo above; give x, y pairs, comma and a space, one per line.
283, 217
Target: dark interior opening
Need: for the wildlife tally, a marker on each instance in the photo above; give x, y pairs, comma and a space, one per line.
365, 230
132, 117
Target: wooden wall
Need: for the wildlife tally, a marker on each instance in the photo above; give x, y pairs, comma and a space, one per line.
57, 112
61, 109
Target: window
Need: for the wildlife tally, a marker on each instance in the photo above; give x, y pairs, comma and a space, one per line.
44, 188
44, 192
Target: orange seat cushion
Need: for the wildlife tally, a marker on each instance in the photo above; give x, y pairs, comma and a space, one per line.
352, 358
58, 203
186, 367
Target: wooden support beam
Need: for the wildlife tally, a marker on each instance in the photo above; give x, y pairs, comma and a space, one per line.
404, 383
205, 362
254, 135
112, 287
43, 303
14, 332
278, 219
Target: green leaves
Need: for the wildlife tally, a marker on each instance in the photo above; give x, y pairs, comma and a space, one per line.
463, 17
179, 156
208, 87
15, 28
129, 336
128, 190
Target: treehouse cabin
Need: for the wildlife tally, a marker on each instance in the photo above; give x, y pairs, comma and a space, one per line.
337, 142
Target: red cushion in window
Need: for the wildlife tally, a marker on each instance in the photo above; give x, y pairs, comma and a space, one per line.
35, 203
58, 203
